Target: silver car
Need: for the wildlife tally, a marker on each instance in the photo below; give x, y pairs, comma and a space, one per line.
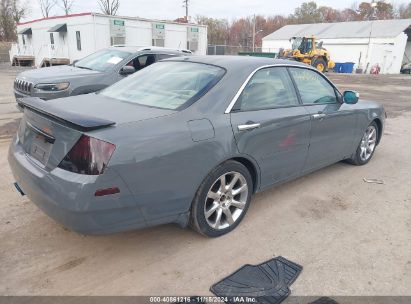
187, 141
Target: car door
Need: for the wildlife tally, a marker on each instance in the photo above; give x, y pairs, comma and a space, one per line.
271, 126
333, 123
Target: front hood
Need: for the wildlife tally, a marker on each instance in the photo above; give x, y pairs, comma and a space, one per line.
106, 108
54, 74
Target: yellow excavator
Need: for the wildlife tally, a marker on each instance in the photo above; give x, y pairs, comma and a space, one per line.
307, 50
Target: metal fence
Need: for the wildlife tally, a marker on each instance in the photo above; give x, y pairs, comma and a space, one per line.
235, 50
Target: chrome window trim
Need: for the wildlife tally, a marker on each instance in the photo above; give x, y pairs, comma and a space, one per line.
237, 95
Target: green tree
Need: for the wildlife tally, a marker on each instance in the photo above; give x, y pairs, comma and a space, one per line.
381, 11
307, 13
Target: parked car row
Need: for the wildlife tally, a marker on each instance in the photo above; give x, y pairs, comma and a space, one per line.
187, 140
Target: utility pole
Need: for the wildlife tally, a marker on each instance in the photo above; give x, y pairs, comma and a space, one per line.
254, 33
185, 4
371, 18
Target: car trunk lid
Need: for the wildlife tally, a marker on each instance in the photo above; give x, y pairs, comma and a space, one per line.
49, 129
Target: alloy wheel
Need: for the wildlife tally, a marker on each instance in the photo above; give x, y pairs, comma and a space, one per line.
226, 200
368, 143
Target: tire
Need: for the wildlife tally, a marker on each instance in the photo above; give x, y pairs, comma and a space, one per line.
218, 204
318, 63
358, 159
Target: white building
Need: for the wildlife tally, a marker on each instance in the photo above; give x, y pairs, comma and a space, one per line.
62, 39
366, 43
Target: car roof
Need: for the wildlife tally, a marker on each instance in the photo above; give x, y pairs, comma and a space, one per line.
151, 49
238, 62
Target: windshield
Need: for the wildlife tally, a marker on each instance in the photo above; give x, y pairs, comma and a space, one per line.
102, 61
167, 85
296, 42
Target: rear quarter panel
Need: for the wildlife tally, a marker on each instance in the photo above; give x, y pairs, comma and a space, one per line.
163, 164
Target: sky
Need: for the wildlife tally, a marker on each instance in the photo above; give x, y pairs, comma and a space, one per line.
172, 9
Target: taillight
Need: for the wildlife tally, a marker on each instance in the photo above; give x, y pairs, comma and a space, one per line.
89, 156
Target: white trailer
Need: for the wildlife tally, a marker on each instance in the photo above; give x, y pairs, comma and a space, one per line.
366, 43
63, 39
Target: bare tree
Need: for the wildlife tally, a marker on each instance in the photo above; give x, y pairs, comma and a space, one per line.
11, 12
66, 5
109, 7
19, 10
46, 6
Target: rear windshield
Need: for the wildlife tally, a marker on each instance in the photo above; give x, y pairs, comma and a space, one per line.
102, 61
166, 85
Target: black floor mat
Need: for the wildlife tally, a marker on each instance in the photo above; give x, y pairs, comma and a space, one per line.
267, 283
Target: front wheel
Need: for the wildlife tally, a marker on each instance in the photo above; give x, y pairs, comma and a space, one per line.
366, 148
222, 199
320, 65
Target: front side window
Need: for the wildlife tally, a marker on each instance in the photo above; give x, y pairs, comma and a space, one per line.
268, 88
102, 61
141, 62
313, 88
166, 85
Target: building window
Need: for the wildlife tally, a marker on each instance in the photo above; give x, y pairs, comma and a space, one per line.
24, 39
51, 38
78, 38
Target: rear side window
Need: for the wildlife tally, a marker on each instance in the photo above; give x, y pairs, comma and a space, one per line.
313, 88
268, 88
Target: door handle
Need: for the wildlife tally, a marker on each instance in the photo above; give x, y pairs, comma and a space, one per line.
248, 126
319, 116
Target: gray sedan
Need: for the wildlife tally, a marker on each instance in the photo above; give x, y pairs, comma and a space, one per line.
187, 141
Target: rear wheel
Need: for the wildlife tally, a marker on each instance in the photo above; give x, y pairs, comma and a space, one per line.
320, 64
222, 199
366, 148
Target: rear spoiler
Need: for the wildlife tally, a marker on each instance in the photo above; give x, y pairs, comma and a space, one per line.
77, 120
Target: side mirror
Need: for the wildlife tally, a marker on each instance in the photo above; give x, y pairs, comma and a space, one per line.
74, 62
351, 97
127, 70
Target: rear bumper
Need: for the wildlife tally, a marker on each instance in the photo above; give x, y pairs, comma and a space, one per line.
69, 198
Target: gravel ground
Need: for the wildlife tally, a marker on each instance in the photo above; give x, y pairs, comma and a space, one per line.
353, 238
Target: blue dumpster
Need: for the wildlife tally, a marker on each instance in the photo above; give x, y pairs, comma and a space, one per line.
347, 67
337, 68
344, 67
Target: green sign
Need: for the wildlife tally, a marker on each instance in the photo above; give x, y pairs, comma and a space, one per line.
194, 29
119, 22
160, 26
